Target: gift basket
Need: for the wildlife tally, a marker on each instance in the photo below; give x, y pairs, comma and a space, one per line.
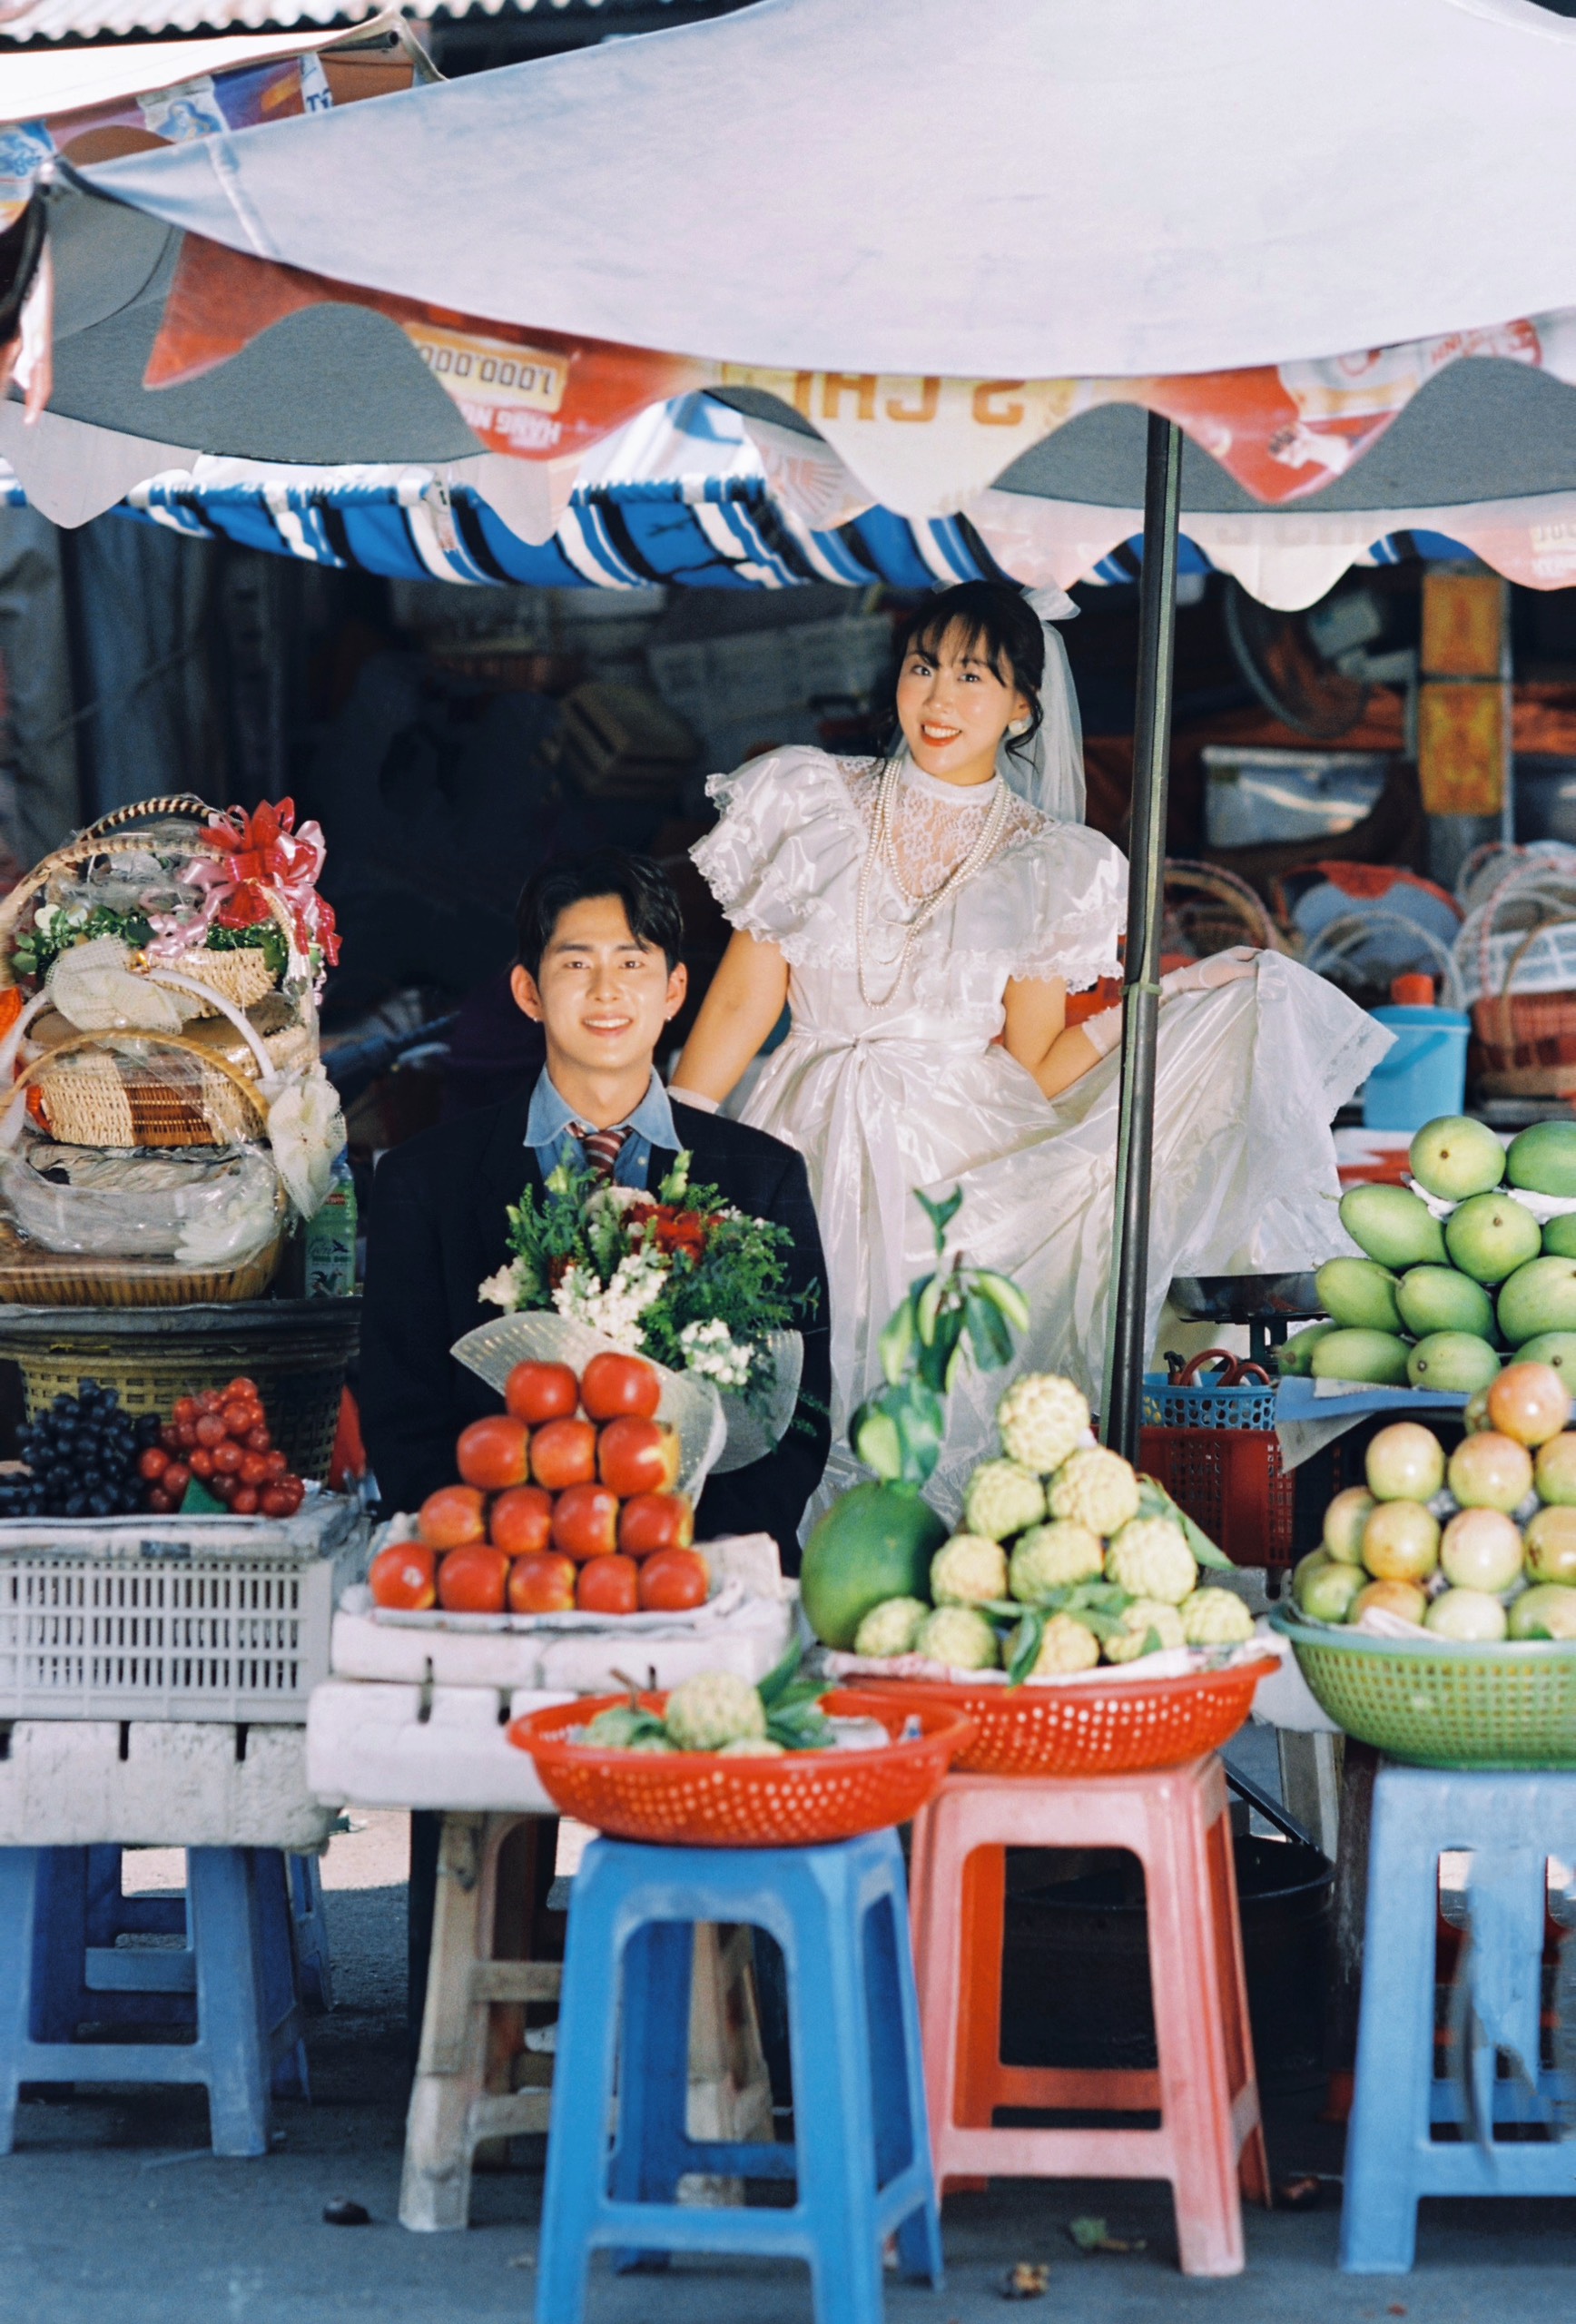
1437, 1619
165, 1109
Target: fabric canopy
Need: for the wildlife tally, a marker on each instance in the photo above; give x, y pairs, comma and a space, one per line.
1034, 189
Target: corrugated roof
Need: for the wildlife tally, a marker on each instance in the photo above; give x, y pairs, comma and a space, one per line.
52, 20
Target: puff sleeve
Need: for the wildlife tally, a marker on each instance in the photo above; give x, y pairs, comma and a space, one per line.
787, 842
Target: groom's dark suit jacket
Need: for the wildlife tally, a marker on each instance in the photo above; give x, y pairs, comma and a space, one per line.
437, 1226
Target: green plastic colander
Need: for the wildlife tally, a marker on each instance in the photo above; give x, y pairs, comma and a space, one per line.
1442, 1703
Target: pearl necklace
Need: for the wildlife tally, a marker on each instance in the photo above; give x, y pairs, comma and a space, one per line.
883, 849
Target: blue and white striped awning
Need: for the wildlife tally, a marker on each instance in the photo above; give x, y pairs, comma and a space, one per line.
680, 497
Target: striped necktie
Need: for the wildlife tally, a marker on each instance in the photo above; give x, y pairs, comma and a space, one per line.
601, 1147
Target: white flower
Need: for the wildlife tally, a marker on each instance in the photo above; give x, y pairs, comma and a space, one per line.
616, 1198
615, 1309
711, 1350
500, 1291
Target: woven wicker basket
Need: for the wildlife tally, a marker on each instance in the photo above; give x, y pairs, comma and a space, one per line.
243, 977
144, 1089
1525, 1042
1230, 912
30, 1276
297, 1351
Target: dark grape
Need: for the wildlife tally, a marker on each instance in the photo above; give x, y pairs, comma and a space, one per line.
75, 1505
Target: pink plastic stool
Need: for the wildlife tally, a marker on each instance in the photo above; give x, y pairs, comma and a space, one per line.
1174, 1820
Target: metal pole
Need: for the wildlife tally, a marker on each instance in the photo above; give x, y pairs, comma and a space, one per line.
1125, 1349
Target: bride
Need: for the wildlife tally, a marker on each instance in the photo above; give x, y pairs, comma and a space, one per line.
925, 915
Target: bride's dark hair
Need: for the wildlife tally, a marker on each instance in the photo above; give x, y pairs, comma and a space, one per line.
1000, 624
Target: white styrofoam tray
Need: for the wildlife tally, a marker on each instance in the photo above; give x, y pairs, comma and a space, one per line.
153, 1783
393, 1746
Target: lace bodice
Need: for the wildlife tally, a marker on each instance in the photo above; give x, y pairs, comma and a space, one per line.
936, 824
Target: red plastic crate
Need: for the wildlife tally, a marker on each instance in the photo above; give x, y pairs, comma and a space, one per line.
1231, 1482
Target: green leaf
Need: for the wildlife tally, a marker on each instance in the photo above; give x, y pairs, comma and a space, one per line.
873, 1435
940, 1214
937, 1358
1089, 2234
1153, 1501
1103, 1625
1028, 1645
922, 1425
897, 1342
988, 1332
782, 1675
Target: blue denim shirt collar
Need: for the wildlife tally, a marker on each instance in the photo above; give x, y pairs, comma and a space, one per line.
651, 1126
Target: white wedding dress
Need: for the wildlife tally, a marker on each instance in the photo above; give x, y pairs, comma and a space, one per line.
920, 1093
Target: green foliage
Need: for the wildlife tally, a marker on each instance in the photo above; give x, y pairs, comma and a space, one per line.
266, 937
37, 949
1153, 1501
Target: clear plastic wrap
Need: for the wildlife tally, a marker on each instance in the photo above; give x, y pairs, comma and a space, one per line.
203, 1205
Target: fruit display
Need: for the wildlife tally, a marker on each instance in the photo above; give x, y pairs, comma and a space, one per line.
81, 1459
1471, 1267
716, 1711
1065, 1557
566, 1502
216, 1450
1478, 1547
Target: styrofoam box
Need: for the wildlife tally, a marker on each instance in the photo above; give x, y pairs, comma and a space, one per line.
153, 1783
175, 1618
423, 1747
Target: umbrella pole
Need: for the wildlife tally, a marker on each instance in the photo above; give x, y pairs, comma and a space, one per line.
1125, 1341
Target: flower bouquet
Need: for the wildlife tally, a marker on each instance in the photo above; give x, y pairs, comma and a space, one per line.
681, 1276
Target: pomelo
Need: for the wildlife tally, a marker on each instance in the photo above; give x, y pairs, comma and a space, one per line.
1466, 1613
1405, 1461
1359, 1293
1377, 1358
1555, 1474
1327, 1594
1489, 1236
1551, 1545
1488, 1471
1482, 1550
1403, 1598
874, 1542
1530, 1402
1344, 1521
1454, 1157
1392, 1225
1543, 1159
1401, 1542
1442, 1299
1458, 1360
1539, 1297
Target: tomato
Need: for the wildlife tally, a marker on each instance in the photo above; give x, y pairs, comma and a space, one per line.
184, 1408
294, 1492
655, 1521
586, 1521
277, 1467
201, 1464
536, 1393
153, 1463
244, 1503
185, 1435
541, 1583
520, 1521
612, 1386
238, 1419
275, 1503
563, 1453
244, 1391
452, 1518
492, 1452
674, 1581
159, 1502
209, 1400
174, 1481
228, 1457
254, 1469
637, 1455
608, 1585
221, 1488
473, 1581
259, 1439
210, 1429
170, 1437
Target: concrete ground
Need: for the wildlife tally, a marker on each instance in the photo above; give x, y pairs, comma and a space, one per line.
112, 2211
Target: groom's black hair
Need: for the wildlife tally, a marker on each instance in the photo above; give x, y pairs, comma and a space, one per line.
650, 901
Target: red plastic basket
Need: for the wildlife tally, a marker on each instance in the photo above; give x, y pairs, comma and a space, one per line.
1231, 1482
1089, 1728
699, 1799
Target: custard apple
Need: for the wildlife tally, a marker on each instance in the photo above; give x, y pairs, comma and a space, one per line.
960, 1638
1042, 1419
1002, 1497
1150, 1557
1214, 1618
1050, 1556
969, 1571
1095, 1488
1064, 1645
712, 1709
889, 1628
1142, 1617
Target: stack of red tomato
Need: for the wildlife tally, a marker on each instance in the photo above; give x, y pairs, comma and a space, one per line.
222, 1438
567, 1502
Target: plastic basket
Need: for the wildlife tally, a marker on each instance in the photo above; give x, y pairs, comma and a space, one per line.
1206, 1406
1231, 1482
1444, 1704
1089, 1728
702, 1800
297, 1351
190, 1619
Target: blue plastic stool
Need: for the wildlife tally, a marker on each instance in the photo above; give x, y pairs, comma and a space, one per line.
862, 2160
110, 1913
1512, 1824
235, 1980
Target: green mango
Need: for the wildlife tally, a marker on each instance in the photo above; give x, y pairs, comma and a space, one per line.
1460, 1362
1560, 1236
1455, 1157
1359, 1293
1538, 1298
1543, 1159
1489, 1236
1294, 1358
1558, 1348
1394, 1226
1442, 1299
1377, 1358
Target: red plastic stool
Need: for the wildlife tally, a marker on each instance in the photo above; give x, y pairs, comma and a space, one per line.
1175, 1822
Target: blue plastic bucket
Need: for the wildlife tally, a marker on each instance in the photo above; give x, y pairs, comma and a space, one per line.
1425, 1075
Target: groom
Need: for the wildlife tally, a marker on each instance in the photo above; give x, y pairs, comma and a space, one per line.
599, 969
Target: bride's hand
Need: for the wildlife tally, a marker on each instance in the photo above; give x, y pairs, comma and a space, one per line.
1204, 976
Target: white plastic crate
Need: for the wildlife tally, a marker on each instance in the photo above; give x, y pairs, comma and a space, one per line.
148, 1618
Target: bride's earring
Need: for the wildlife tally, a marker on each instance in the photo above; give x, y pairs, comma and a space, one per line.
1018, 726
